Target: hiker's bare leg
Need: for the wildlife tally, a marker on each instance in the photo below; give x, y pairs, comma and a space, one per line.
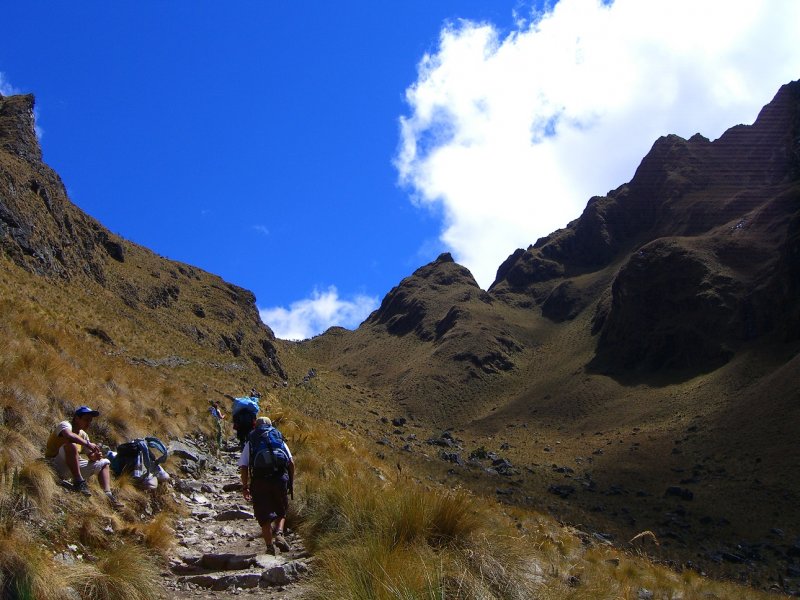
266, 531
71, 460
280, 523
104, 477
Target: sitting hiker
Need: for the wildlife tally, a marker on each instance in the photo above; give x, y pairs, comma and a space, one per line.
267, 472
65, 445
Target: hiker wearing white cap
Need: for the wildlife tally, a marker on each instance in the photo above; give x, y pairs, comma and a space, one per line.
65, 444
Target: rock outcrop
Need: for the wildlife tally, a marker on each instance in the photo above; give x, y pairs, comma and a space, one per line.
704, 238
46, 234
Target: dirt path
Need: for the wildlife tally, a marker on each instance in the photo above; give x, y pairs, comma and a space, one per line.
220, 551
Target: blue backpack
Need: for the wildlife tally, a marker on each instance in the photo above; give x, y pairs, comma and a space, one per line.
245, 411
268, 457
136, 457
249, 403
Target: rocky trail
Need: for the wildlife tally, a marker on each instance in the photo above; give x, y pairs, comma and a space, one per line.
220, 551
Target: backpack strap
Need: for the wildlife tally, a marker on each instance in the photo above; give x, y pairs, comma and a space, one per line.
154, 442
252, 439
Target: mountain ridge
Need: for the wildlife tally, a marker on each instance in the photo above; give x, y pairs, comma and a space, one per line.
618, 357
628, 351
44, 233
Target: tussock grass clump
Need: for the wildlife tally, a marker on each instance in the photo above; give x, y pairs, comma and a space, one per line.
15, 451
125, 573
37, 481
26, 572
159, 534
373, 570
380, 538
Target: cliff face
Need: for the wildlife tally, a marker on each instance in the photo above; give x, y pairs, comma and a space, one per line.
701, 235
44, 233
40, 229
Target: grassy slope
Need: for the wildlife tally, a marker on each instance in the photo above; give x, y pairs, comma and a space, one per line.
165, 358
50, 363
712, 433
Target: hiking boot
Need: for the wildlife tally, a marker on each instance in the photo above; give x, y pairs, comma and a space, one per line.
272, 549
112, 499
81, 486
281, 542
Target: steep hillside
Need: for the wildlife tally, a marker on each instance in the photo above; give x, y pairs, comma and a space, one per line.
157, 303
633, 371
701, 230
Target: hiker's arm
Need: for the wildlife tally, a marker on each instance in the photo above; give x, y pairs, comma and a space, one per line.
76, 439
291, 478
244, 473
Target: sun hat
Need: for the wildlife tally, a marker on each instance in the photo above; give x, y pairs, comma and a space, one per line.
85, 410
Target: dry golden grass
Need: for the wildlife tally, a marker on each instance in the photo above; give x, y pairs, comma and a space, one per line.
376, 535
159, 534
50, 366
26, 571
37, 482
381, 538
125, 573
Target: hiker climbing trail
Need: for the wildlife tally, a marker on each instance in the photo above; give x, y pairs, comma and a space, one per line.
220, 551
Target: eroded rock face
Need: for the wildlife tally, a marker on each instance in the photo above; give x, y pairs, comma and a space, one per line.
17, 132
40, 229
415, 305
706, 233
671, 308
43, 232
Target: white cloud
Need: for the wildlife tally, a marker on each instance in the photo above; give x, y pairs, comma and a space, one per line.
513, 134
6, 89
262, 229
311, 316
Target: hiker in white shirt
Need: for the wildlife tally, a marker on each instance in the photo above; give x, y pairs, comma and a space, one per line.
65, 445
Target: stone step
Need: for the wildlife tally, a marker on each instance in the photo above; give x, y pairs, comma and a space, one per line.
277, 574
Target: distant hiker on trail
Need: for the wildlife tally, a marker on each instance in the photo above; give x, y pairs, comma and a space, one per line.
64, 446
244, 411
267, 471
218, 415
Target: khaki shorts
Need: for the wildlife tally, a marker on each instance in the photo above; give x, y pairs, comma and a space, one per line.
87, 468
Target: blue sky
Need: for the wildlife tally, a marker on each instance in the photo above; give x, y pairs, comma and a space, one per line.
318, 152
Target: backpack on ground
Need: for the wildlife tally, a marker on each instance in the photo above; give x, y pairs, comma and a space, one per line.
268, 457
136, 457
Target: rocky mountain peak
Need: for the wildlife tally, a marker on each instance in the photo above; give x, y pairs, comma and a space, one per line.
45, 234
444, 257
416, 302
17, 131
693, 248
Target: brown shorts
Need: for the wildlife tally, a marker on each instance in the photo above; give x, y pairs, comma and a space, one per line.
270, 499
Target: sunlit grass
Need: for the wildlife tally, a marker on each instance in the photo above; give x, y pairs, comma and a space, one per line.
375, 534
125, 573
26, 571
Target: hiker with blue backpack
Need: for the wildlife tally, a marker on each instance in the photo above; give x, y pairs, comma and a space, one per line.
267, 471
244, 412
